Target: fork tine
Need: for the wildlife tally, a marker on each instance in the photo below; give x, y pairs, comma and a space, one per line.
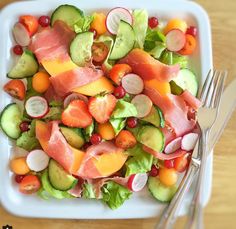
208, 93
205, 85
216, 86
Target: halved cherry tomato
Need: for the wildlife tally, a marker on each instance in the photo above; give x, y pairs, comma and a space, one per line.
119, 71
99, 52
125, 140
181, 163
189, 46
30, 22
15, 88
30, 184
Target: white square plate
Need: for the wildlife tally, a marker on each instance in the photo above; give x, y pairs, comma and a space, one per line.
141, 205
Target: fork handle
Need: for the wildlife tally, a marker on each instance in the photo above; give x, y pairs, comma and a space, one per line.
195, 216
168, 217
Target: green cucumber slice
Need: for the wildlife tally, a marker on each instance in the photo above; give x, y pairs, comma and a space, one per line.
160, 191
10, 120
26, 66
124, 42
59, 178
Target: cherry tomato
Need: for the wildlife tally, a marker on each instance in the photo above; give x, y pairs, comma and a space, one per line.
94, 31
119, 71
44, 21
30, 22
119, 92
168, 176
18, 50
99, 52
15, 88
181, 163
29, 184
189, 46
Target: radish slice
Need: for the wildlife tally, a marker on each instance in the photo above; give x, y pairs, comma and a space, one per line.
173, 145
21, 34
143, 105
114, 17
74, 96
37, 160
36, 107
189, 141
175, 40
137, 182
133, 84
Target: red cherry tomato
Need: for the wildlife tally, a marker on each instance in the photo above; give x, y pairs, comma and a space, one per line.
30, 22
181, 163
29, 184
118, 72
99, 52
15, 88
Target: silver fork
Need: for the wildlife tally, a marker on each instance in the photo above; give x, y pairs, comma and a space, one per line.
207, 94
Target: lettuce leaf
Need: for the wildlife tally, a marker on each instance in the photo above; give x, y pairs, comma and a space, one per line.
53, 114
172, 58
139, 161
88, 131
88, 191
140, 26
153, 36
83, 24
124, 110
157, 50
118, 124
114, 195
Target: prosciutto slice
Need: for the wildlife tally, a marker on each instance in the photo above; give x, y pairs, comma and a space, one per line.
148, 67
52, 43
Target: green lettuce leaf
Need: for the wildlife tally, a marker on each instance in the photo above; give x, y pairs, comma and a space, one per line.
83, 24
124, 109
139, 161
153, 36
172, 58
53, 114
88, 131
55, 103
140, 26
118, 124
30, 91
88, 191
114, 195
157, 50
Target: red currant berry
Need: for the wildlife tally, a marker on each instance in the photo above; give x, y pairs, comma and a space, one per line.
19, 178
169, 164
95, 139
153, 22
132, 122
86, 145
18, 50
154, 171
119, 92
44, 21
24, 126
94, 31
192, 30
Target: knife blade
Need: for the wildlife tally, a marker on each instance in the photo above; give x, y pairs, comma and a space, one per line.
227, 107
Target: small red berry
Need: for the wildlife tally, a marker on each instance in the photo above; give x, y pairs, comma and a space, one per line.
153, 22
18, 50
132, 122
19, 178
169, 164
94, 31
119, 92
86, 145
24, 126
95, 139
44, 21
154, 171
192, 30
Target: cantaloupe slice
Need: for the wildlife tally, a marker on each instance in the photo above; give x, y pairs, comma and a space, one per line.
162, 87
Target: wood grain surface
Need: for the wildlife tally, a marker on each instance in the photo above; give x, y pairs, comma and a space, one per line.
221, 210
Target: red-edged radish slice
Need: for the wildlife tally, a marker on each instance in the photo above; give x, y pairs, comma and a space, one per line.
173, 145
36, 107
175, 40
74, 96
137, 182
133, 84
37, 160
21, 34
143, 105
114, 17
189, 141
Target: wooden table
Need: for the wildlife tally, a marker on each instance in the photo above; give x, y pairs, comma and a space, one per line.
221, 210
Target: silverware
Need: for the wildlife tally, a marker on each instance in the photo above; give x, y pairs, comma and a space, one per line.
169, 215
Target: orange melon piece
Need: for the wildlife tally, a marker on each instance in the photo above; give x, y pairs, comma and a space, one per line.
161, 87
108, 164
78, 157
101, 85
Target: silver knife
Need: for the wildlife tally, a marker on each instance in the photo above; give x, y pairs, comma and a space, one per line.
227, 106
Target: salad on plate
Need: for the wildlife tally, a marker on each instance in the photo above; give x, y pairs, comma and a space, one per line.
104, 105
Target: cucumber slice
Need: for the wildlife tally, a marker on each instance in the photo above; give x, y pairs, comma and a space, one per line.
10, 120
59, 178
73, 136
155, 117
25, 67
175, 89
67, 13
151, 137
160, 191
187, 81
80, 48
124, 42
